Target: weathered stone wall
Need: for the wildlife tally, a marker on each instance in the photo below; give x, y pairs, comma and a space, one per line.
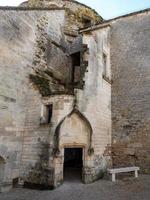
51, 56
95, 99
22, 35
35, 65
35, 42
74, 12
130, 60
62, 107
38, 159
34, 167
16, 47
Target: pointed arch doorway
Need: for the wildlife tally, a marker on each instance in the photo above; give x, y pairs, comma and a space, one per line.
73, 140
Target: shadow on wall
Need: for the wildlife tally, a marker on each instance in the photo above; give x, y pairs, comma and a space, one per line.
2, 168
41, 176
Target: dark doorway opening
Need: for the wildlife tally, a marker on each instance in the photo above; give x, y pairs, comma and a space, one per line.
86, 22
73, 164
76, 62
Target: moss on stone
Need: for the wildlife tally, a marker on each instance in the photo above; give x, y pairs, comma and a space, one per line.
35, 3
146, 171
80, 13
90, 151
102, 174
41, 83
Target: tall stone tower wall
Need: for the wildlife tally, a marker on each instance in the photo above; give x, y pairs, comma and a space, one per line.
36, 71
130, 47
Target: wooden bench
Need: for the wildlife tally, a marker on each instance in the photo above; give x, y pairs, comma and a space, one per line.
113, 172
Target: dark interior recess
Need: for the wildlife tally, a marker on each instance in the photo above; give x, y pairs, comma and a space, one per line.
105, 64
49, 113
73, 164
73, 158
76, 62
15, 182
86, 21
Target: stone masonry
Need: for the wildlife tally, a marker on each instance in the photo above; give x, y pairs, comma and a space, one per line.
129, 58
64, 88
131, 91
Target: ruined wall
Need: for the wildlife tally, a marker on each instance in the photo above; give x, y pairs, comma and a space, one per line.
75, 11
95, 99
27, 42
130, 47
51, 61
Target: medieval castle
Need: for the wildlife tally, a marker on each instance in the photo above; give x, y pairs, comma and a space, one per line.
74, 92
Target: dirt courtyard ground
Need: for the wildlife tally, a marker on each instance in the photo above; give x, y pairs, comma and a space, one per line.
127, 189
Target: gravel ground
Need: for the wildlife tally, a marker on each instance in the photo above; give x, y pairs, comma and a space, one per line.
127, 189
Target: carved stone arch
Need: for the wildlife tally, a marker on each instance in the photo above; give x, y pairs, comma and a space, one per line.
58, 128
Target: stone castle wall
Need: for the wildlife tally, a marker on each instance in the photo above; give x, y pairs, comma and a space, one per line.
130, 47
19, 38
36, 68
35, 64
38, 144
16, 57
95, 99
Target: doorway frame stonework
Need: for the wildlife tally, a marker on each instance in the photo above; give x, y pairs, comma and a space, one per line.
57, 132
86, 145
88, 163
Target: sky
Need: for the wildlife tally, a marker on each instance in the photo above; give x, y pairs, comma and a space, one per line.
106, 8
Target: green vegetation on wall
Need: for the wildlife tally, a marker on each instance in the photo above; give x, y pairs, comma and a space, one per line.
41, 83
